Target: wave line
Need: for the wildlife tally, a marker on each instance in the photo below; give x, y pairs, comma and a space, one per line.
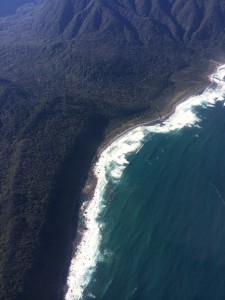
218, 192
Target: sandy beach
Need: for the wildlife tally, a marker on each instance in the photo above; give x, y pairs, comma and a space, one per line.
89, 191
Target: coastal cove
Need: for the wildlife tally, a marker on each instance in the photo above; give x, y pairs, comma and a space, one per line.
108, 171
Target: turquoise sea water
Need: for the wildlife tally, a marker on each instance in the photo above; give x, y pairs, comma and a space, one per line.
155, 227
164, 234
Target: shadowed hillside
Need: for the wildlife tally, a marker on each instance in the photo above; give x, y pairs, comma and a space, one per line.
10, 7
72, 72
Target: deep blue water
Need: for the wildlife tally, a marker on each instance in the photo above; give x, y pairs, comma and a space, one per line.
164, 233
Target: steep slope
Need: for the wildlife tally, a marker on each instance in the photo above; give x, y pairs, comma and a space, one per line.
72, 71
9, 7
189, 21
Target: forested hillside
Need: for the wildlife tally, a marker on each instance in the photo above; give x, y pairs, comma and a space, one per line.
71, 72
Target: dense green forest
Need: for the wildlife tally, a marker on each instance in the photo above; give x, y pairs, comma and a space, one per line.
72, 74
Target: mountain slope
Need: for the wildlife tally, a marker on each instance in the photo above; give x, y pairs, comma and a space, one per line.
71, 72
189, 21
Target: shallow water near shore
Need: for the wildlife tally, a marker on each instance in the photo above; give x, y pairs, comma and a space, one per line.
155, 228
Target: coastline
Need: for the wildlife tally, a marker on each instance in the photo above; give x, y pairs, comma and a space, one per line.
91, 183
166, 112
89, 187
153, 122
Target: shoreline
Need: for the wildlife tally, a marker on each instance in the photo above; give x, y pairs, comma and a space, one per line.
91, 182
194, 92
160, 119
90, 185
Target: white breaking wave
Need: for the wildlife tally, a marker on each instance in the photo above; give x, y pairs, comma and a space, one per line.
112, 162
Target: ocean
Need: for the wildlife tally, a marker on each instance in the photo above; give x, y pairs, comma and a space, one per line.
155, 227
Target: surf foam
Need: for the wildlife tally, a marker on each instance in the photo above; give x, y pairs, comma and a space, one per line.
111, 164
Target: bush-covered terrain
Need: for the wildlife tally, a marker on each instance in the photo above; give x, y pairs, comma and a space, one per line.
71, 73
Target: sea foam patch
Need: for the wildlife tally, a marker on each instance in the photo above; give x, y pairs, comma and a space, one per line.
111, 164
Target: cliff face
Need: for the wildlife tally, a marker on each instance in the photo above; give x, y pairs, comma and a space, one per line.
69, 71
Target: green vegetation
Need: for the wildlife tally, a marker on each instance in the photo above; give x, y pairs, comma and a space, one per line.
71, 74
